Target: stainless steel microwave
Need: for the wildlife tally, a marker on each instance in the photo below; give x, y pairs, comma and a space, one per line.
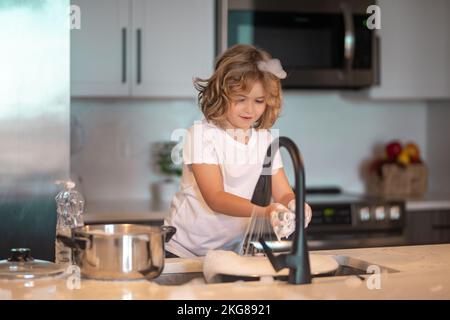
321, 43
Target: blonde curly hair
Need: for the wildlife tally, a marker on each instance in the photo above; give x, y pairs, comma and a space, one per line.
235, 72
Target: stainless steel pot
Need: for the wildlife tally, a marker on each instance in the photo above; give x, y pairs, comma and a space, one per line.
119, 251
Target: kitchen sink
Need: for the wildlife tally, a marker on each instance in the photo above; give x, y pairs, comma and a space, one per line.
177, 279
348, 266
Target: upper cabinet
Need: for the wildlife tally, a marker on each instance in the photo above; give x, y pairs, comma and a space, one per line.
99, 53
414, 50
141, 48
174, 42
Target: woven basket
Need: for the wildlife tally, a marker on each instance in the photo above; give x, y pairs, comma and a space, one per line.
396, 180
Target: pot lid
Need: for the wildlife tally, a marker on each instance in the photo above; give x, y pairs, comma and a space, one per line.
21, 265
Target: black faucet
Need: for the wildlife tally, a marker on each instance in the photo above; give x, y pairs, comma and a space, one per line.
298, 260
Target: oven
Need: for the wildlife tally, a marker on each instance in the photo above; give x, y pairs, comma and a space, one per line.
345, 220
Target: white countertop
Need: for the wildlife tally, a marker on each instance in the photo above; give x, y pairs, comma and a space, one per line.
423, 274
429, 202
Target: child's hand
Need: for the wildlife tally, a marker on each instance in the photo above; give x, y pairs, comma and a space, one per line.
282, 220
308, 211
271, 208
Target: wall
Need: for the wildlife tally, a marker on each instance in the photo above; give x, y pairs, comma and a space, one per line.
438, 134
111, 139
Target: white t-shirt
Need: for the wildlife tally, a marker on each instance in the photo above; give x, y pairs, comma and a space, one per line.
199, 228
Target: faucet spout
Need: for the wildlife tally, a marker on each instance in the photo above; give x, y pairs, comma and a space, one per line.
298, 260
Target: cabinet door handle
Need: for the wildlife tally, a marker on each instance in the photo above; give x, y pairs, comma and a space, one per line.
124, 55
377, 60
349, 37
139, 56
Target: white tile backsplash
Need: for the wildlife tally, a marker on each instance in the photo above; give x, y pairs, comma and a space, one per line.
111, 143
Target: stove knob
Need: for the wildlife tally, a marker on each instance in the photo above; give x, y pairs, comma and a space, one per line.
394, 213
364, 214
380, 213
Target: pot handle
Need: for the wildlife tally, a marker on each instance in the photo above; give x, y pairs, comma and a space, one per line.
74, 243
170, 231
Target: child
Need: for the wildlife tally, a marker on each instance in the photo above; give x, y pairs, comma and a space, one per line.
223, 155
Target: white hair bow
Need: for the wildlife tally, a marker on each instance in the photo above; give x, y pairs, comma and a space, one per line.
273, 66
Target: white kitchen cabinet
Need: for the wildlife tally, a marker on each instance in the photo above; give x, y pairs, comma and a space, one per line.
414, 51
99, 53
142, 48
176, 44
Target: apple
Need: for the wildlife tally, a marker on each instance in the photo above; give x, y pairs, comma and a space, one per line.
393, 150
404, 158
413, 151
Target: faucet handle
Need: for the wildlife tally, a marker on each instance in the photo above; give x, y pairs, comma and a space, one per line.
278, 262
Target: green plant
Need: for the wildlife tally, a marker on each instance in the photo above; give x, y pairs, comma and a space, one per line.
164, 156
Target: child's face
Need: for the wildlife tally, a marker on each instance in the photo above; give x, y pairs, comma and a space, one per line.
246, 108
